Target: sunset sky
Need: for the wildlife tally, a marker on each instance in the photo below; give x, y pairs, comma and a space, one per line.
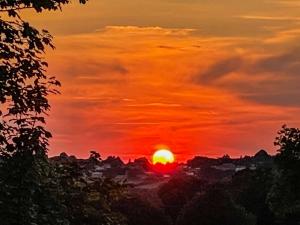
203, 77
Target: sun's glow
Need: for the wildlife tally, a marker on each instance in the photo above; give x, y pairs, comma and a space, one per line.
163, 156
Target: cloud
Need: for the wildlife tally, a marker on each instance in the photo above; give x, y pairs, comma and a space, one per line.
138, 124
272, 79
219, 70
283, 37
282, 99
156, 31
271, 18
155, 104
287, 63
92, 68
289, 3
166, 47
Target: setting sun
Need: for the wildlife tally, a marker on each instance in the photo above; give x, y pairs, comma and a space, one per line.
163, 156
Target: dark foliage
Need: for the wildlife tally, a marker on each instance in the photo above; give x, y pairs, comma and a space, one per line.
39, 6
284, 197
95, 156
87, 201
28, 192
140, 212
114, 161
202, 162
215, 207
177, 192
249, 189
27, 184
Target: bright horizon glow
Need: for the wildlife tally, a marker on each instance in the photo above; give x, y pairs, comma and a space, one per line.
163, 156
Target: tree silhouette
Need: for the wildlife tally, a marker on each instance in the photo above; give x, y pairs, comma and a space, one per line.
95, 156
284, 197
24, 84
25, 186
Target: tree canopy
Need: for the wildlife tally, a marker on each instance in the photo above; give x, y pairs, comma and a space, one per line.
27, 195
284, 196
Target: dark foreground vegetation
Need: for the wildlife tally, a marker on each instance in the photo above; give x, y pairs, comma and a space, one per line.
62, 190
35, 190
263, 196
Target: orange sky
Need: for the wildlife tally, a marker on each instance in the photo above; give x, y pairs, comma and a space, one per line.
201, 77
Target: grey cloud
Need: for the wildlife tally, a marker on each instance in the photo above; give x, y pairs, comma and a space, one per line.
95, 68
219, 70
287, 63
166, 47
277, 79
272, 92
282, 99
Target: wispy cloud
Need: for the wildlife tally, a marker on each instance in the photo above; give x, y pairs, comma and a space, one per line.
138, 30
155, 104
284, 37
290, 3
263, 17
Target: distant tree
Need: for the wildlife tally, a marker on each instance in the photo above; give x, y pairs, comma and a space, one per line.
95, 156
139, 212
288, 141
25, 187
225, 159
142, 162
215, 207
114, 161
202, 162
262, 155
284, 197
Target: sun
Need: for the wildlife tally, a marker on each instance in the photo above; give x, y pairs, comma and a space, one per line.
163, 156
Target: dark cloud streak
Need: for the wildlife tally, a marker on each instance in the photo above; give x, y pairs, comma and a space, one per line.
219, 70
273, 80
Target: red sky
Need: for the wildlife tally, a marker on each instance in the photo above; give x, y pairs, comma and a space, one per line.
198, 76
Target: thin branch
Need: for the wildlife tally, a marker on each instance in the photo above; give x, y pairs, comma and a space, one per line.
15, 9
